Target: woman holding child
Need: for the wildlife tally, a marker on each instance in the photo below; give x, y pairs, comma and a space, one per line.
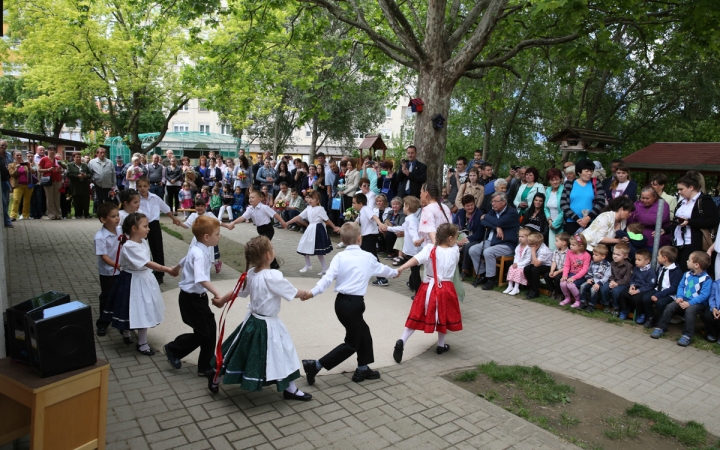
604, 227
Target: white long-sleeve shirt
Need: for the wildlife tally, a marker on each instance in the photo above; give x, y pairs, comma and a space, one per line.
352, 269
152, 206
410, 228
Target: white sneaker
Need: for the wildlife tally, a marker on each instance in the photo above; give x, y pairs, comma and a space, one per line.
305, 269
514, 291
340, 245
322, 273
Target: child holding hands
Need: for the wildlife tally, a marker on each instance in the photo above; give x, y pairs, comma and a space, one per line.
260, 351
435, 306
315, 240
577, 263
193, 299
516, 275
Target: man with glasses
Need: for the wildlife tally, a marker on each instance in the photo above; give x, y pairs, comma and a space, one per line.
5, 160
501, 237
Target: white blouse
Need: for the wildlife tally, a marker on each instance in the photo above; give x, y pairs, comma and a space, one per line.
446, 261
265, 289
602, 227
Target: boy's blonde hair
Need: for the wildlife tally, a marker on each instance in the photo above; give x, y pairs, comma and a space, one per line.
204, 225
525, 231
412, 203
700, 258
349, 233
669, 252
535, 239
601, 249
623, 247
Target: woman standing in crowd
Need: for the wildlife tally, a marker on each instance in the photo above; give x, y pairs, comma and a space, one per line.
283, 176
694, 213
352, 180
528, 189
603, 228
471, 187
243, 178
80, 176
228, 174
388, 182
582, 199
173, 183
49, 167
201, 170
368, 171
553, 213
320, 186
21, 182
646, 214
622, 184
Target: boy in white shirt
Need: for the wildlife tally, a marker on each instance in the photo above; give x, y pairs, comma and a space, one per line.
410, 229
350, 284
106, 249
201, 210
368, 222
193, 298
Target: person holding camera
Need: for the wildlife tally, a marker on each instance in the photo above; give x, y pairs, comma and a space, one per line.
413, 174
21, 173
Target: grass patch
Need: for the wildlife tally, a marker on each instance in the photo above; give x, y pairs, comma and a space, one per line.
534, 382
621, 427
692, 433
468, 375
171, 232
490, 395
567, 420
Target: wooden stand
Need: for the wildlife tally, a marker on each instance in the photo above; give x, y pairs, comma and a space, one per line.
67, 411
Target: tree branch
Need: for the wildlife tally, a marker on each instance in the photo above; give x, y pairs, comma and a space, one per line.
529, 43
399, 25
453, 40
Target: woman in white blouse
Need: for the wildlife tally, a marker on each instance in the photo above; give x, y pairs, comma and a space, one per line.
602, 230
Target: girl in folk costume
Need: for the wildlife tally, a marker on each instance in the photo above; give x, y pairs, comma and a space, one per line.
315, 240
516, 276
129, 204
260, 351
135, 301
435, 306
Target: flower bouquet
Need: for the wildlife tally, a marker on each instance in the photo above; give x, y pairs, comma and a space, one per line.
280, 205
350, 214
241, 175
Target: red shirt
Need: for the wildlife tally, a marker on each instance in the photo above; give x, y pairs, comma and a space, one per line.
46, 163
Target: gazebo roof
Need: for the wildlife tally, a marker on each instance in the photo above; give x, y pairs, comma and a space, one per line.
373, 141
586, 135
677, 157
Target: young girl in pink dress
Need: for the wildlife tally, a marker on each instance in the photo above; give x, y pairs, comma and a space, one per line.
577, 263
516, 275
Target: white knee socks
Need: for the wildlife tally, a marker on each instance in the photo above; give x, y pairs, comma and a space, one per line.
441, 339
406, 334
321, 258
142, 339
293, 389
511, 286
307, 261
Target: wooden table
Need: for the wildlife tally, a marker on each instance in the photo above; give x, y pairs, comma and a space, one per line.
67, 411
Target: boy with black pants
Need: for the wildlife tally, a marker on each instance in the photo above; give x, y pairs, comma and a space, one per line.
194, 307
106, 249
351, 284
668, 278
369, 230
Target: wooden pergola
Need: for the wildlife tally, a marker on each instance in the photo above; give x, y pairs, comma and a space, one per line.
372, 142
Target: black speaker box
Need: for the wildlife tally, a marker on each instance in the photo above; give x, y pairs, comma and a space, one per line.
61, 343
16, 333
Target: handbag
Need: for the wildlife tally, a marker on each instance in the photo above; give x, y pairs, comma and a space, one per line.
46, 180
708, 239
336, 206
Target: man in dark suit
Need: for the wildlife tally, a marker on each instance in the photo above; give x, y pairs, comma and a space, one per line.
501, 236
412, 175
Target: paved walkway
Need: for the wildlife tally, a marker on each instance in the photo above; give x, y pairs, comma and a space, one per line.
153, 406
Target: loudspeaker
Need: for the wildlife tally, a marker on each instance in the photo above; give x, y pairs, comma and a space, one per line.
61, 339
16, 333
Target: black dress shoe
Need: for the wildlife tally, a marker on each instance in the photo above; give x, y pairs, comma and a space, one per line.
310, 370
212, 386
148, 352
443, 349
398, 352
367, 374
172, 359
101, 330
532, 294
489, 285
303, 398
479, 280
128, 340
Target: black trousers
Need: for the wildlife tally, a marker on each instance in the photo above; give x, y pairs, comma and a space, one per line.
195, 312
628, 301
172, 195
349, 310
533, 275
268, 231
64, 205
369, 244
647, 306
81, 203
155, 241
101, 196
415, 280
106, 282
390, 240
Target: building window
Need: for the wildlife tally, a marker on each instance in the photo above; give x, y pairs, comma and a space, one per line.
406, 112
185, 107
308, 131
388, 112
225, 129
361, 136
385, 132
204, 128
180, 127
202, 106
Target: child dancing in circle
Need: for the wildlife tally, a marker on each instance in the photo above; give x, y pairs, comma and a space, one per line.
315, 240
435, 306
260, 351
135, 301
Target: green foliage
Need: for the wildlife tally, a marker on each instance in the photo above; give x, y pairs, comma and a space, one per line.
692, 433
567, 420
468, 375
621, 427
534, 382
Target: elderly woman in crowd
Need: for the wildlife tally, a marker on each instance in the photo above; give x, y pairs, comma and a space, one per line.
646, 214
553, 213
80, 175
528, 189
603, 228
21, 181
695, 212
583, 198
500, 185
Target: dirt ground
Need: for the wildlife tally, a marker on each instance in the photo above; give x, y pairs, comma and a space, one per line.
592, 408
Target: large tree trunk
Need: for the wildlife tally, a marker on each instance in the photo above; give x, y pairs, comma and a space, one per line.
430, 142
